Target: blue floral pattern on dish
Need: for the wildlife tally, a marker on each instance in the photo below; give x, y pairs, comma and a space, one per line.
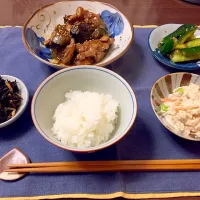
192, 65
114, 22
36, 44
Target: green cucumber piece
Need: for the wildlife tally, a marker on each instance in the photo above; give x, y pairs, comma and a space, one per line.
184, 37
193, 43
179, 31
191, 51
192, 37
177, 37
167, 46
183, 55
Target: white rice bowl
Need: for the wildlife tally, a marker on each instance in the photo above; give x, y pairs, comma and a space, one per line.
85, 119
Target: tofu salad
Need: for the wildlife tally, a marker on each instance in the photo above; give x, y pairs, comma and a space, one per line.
182, 109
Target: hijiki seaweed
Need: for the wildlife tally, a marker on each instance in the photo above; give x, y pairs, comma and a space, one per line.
10, 99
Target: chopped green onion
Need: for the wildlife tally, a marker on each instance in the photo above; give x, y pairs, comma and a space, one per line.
163, 107
180, 90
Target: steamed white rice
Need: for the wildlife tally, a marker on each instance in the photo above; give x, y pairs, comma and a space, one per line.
85, 119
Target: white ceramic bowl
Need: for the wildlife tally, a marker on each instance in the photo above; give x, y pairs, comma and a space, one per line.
163, 87
25, 97
51, 93
43, 21
157, 35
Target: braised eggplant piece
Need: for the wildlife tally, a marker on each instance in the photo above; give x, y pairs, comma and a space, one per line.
10, 99
81, 32
59, 38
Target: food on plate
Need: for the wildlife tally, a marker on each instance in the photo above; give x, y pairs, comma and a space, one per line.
167, 44
60, 37
192, 43
10, 99
181, 45
187, 54
83, 39
85, 119
92, 51
182, 110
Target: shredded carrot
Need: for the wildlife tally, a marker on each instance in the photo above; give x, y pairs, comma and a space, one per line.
9, 86
185, 108
168, 100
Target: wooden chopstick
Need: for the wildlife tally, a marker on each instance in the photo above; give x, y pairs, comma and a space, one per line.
107, 163
108, 168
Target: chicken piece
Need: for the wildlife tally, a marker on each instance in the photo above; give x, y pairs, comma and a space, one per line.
87, 61
60, 37
69, 52
111, 41
104, 38
83, 15
92, 18
85, 25
99, 56
79, 12
78, 16
68, 27
94, 49
66, 55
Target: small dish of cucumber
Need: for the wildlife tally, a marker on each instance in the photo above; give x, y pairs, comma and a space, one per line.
176, 45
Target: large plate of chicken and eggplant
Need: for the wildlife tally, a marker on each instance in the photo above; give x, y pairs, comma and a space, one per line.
72, 33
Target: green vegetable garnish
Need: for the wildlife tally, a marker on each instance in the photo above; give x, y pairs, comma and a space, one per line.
180, 90
163, 107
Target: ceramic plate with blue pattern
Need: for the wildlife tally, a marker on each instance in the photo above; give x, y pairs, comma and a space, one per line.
157, 35
41, 24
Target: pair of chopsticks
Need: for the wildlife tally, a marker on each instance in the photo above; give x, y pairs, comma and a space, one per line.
107, 166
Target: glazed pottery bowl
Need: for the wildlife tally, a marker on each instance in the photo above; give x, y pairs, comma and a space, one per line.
82, 78
25, 98
165, 86
157, 35
40, 25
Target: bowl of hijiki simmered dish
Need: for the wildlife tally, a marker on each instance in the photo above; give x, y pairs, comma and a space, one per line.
175, 99
14, 98
84, 108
